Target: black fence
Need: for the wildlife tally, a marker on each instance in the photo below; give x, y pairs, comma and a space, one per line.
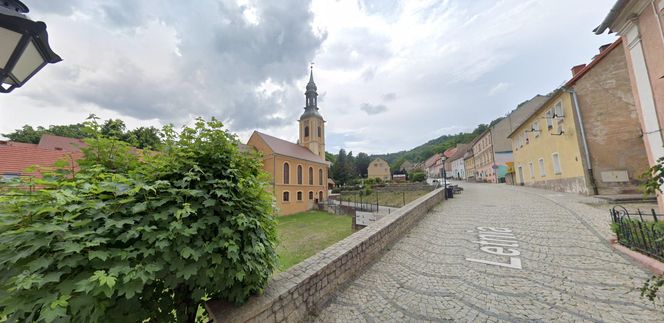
639, 231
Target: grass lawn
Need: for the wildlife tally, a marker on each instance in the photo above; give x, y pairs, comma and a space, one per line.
393, 199
304, 234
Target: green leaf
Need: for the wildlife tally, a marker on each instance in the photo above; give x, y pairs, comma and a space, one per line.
139, 207
103, 255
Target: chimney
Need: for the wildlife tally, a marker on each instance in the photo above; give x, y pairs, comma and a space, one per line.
577, 69
603, 47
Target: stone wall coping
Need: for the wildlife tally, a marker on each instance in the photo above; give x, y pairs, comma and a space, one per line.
283, 285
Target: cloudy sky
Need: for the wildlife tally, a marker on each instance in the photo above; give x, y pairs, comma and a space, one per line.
391, 74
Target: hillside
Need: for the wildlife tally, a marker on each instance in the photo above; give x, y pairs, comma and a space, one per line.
434, 146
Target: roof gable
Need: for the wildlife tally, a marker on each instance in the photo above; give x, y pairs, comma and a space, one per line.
52, 142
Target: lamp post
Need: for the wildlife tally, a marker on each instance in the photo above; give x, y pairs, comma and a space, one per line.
24, 48
443, 158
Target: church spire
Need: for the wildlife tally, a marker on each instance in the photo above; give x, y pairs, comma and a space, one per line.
311, 97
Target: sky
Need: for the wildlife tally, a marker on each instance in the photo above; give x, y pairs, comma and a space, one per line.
391, 74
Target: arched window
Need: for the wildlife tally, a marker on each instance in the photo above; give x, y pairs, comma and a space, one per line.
286, 173
306, 131
299, 196
311, 195
311, 176
286, 197
319, 132
320, 177
299, 174
320, 196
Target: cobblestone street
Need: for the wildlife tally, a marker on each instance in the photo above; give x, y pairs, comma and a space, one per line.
561, 267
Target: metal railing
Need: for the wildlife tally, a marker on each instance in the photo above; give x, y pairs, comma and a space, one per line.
639, 231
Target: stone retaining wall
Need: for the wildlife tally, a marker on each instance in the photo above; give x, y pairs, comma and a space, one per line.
306, 287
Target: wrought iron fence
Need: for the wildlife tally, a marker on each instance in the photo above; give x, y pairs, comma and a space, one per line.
639, 231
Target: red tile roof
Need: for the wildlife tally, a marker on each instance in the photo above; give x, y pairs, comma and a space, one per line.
286, 148
51, 142
450, 152
594, 62
431, 160
16, 157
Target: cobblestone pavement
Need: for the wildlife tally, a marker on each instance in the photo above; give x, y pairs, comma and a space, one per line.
569, 272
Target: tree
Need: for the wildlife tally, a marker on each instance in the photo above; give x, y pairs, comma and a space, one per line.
330, 157
114, 128
27, 134
339, 173
142, 137
145, 238
350, 166
362, 162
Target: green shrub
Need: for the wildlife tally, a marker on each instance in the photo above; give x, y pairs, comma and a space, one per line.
418, 177
148, 237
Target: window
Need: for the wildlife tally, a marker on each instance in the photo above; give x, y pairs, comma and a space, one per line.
320, 132
525, 135
558, 111
541, 167
320, 196
286, 173
320, 177
299, 174
556, 163
311, 195
536, 128
549, 119
306, 131
286, 197
299, 196
531, 168
311, 176
9, 175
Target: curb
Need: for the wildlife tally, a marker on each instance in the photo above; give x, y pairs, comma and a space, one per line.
652, 264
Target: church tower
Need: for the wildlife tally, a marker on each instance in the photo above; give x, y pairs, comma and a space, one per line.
312, 125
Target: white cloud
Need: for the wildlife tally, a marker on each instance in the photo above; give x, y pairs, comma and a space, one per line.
498, 88
245, 62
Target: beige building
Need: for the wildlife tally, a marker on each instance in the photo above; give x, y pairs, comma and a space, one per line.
586, 138
299, 171
611, 131
639, 23
379, 168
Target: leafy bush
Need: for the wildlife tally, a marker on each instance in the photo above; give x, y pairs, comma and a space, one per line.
139, 236
418, 177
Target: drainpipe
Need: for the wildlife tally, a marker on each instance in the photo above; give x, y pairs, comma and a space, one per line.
584, 142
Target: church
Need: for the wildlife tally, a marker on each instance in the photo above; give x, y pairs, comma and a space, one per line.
299, 171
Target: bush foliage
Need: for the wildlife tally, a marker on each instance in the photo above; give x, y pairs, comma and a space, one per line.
139, 235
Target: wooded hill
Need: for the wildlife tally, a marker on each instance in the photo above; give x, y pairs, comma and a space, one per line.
434, 146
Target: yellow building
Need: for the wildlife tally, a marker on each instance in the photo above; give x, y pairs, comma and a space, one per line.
299, 171
546, 148
379, 168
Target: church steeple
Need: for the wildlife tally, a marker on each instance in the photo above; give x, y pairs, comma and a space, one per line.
312, 125
311, 98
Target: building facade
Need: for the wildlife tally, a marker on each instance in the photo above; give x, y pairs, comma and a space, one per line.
639, 23
609, 123
432, 166
469, 163
546, 148
379, 168
299, 171
483, 155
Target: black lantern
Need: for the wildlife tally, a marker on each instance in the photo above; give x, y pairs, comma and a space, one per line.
24, 48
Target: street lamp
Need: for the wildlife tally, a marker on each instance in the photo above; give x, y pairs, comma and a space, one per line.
24, 48
443, 158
